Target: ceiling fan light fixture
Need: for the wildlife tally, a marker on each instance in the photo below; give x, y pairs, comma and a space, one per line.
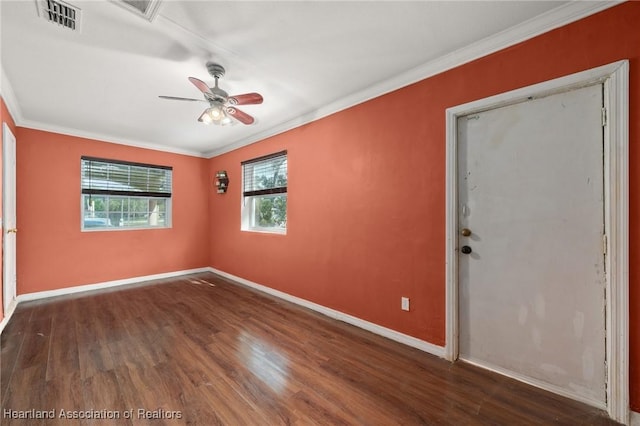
216, 114
222, 107
205, 118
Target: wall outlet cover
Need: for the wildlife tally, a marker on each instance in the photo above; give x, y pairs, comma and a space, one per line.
404, 303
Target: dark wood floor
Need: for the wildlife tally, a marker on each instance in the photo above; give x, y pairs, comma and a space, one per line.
219, 353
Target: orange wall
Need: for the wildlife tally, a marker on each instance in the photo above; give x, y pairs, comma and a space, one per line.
5, 116
52, 253
366, 211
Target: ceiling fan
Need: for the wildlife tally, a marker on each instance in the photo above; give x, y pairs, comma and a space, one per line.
222, 107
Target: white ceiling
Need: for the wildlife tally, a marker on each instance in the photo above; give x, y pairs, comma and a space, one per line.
308, 59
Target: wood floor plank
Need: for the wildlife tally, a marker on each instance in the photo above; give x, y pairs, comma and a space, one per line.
65, 392
103, 398
9, 355
35, 346
219, 353
63, 355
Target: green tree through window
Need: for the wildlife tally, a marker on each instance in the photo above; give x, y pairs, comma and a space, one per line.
265, 193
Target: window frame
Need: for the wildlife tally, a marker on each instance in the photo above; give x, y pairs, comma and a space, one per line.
125, 194
249, 197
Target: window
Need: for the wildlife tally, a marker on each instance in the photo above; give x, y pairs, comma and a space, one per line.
264, 193
124, 195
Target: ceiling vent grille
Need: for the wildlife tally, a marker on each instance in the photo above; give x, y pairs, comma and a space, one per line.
60, 13
148, 9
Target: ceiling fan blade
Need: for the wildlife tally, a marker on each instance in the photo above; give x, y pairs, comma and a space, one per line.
201, 85
246, 99
173, 98
241, 116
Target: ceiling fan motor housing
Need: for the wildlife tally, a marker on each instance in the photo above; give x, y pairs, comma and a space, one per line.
216, 70
218, 95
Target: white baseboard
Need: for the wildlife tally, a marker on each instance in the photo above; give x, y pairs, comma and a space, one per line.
8, 314
104, 285
341, 316
332, 313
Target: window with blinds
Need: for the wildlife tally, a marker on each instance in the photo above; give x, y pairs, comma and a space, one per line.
264, 190
120, 194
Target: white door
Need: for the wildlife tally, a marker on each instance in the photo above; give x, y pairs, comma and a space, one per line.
8, 216
531, 192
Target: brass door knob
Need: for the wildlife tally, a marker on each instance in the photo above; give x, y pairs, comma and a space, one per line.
12, 230
466, 250
465, 232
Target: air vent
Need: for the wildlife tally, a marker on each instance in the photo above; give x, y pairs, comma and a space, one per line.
147, 9
60, 13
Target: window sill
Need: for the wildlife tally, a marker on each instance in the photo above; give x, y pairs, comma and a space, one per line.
122, 228
275, 231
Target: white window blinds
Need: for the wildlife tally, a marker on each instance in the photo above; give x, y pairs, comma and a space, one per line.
265, 175
114, 177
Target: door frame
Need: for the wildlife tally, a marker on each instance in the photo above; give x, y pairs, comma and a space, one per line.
615, 78
7, 163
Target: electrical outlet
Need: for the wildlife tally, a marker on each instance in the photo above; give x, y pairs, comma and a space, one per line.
404, 303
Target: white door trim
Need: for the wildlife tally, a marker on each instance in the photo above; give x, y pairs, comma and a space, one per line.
615, 78
8, 181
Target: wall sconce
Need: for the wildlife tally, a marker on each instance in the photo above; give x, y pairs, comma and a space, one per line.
222, 181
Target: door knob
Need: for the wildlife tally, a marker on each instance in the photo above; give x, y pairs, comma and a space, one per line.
466, 249
465, 232
12, 230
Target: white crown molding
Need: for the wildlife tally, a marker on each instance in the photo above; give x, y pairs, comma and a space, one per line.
340, 316
7, 93
9, 97
558, 17
35, 125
